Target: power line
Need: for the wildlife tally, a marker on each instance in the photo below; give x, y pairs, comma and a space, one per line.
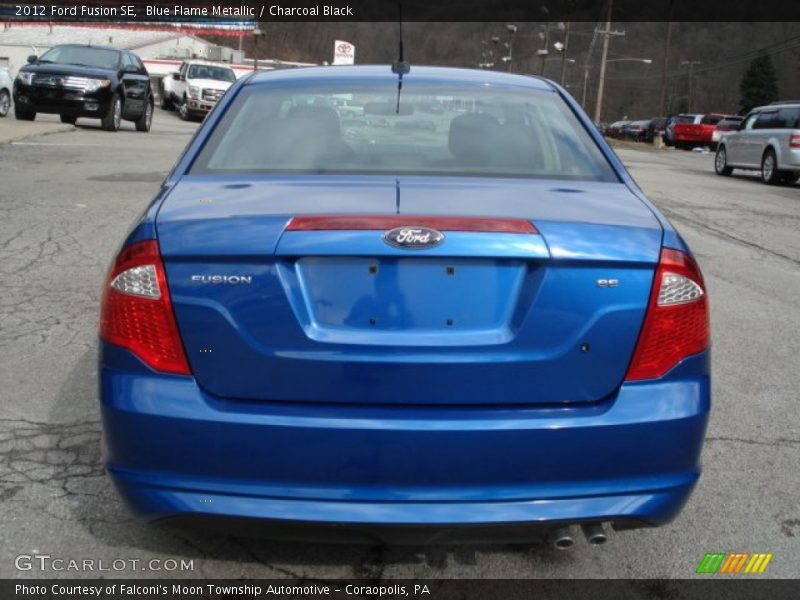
733, 60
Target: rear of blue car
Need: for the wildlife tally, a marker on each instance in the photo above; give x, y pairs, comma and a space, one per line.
464, 318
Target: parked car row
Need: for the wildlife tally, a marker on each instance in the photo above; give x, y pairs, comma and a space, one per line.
637, 131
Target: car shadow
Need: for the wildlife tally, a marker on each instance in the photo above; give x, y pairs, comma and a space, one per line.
86, 493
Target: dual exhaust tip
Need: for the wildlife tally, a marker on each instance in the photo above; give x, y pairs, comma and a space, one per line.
594, 533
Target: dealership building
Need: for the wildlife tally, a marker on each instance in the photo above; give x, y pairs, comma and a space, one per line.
162, 51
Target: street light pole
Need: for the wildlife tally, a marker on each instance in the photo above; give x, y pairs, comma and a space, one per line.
691, 64
512, 29
564, 54
665, 66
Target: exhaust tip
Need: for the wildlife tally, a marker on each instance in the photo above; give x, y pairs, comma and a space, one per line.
594, 533
562, 538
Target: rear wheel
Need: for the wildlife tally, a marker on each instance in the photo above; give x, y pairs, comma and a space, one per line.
769, 168
113, 118
22, 114
721, 162
5, 102
68, 119
144, 122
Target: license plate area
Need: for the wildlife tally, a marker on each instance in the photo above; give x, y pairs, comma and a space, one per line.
404, 298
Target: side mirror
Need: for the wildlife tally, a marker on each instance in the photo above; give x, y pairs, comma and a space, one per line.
32, 59
176, 76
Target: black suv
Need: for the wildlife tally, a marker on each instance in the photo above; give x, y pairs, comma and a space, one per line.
85, 81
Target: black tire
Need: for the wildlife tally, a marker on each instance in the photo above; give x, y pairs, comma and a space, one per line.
166, 103
113, 118
183, 110
721, 162
24, 115
769, 168
5, 102
68, 120
144, 122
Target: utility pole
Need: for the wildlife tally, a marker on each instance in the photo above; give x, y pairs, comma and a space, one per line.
586, 69
606, 33
564, 54
544, 51
691, 64
665, 66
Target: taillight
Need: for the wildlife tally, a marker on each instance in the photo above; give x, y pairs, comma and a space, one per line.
676, 324
137, 313
794, 140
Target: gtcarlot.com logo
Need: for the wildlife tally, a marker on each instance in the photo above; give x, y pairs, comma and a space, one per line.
46, 562
734, 562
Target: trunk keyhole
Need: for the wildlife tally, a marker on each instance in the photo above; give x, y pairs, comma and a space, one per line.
451, 270
584, 347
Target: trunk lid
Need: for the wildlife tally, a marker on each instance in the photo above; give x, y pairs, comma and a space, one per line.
485, 317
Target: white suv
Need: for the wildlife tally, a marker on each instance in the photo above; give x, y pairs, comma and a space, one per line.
195, 88
767, 140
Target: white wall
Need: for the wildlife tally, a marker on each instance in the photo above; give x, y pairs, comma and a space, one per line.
18, 56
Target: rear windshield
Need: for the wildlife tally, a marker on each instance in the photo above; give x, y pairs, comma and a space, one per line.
711, 119
79, 55
686, 119
211, 72
432, 129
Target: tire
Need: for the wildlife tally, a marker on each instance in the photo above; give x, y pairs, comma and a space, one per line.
721, 162
183, 110
113, 118
24, 115
166, 103
68, 120
769, 168
144, 122
5, 102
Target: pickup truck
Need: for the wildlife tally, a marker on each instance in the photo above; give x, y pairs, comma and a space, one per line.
195, 88
696, 132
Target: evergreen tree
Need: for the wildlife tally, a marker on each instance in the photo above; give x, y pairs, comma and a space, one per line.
759, 84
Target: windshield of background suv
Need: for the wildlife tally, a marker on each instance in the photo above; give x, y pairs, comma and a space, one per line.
79, 55
210, 72
466, 129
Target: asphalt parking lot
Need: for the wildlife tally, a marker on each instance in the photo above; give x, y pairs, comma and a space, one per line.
66, 200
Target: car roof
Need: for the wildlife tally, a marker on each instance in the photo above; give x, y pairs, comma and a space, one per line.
417, 73
206, 63
92, 46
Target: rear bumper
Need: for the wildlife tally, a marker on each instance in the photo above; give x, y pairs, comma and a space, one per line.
174, 451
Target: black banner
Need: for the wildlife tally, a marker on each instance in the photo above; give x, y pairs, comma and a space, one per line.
734, 588
235, 12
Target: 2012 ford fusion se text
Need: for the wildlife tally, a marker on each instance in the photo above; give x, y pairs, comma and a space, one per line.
393, 299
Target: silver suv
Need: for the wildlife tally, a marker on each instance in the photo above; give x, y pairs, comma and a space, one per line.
767, 140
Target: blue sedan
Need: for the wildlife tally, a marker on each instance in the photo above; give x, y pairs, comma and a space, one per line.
441, 307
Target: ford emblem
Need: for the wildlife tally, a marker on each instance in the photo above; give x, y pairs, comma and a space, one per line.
411, 237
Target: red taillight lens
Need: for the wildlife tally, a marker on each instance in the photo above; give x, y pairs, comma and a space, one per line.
137, 313
676, 324
794, 140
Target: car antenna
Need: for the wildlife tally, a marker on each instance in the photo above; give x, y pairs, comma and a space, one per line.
400, 67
